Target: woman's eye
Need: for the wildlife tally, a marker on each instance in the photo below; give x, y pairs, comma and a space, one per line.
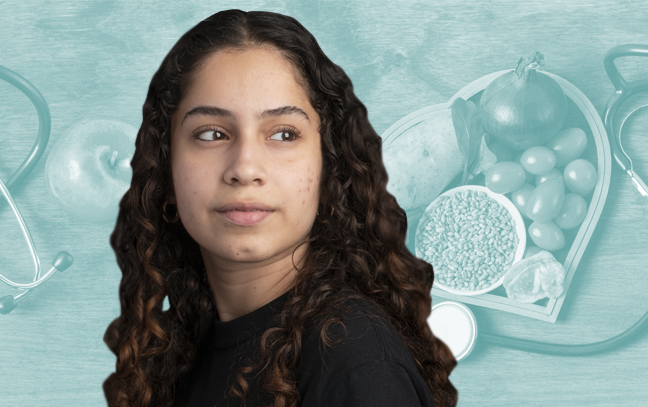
210, 135
284, 135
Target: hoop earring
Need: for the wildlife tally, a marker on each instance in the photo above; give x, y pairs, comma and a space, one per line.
317, 215
164, 214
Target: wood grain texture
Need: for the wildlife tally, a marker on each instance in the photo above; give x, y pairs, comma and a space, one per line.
93, 59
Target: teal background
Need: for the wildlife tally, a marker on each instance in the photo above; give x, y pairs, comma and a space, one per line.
94, 59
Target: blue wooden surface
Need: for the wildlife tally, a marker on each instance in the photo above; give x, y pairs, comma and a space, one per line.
96, 58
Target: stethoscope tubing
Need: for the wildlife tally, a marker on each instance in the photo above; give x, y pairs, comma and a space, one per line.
44, 129
623, 91
44, 124
63, 260
556, 349
30, 243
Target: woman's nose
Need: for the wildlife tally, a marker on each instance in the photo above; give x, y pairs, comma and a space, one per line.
246, 160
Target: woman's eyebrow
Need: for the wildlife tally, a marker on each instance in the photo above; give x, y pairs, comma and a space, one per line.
283, 111
208, 111
220, 112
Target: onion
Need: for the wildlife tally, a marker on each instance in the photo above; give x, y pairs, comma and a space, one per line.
523, 108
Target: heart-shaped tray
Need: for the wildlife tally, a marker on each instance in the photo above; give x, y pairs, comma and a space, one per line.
581, 113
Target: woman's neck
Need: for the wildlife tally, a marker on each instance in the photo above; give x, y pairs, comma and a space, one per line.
244, 287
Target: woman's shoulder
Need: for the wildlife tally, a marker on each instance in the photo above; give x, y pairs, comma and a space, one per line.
370, 358
366, 336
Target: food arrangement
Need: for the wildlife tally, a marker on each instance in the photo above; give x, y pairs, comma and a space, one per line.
532, 155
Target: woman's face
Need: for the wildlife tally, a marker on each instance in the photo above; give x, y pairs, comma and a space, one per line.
246, 159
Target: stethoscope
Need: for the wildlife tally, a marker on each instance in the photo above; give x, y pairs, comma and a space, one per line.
63, 260
624, 90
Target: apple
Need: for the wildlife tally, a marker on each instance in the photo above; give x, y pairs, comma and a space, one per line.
88, 170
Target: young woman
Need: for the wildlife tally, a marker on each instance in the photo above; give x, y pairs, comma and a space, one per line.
258, 205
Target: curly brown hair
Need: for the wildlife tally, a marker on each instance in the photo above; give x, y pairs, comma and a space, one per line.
356, 248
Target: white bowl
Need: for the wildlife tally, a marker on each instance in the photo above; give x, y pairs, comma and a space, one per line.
519, 228
455, 324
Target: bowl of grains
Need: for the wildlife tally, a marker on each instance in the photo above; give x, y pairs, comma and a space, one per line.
471, 236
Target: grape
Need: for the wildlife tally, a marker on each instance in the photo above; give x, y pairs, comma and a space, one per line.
547, 236
538, 160
580, 176
505, 177
554, 173
546, 200
567, 145
520, 197
572, 212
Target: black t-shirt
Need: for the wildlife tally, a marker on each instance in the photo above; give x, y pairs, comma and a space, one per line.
372, 367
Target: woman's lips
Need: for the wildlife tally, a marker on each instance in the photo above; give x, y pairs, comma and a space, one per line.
246, 218
244, 206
